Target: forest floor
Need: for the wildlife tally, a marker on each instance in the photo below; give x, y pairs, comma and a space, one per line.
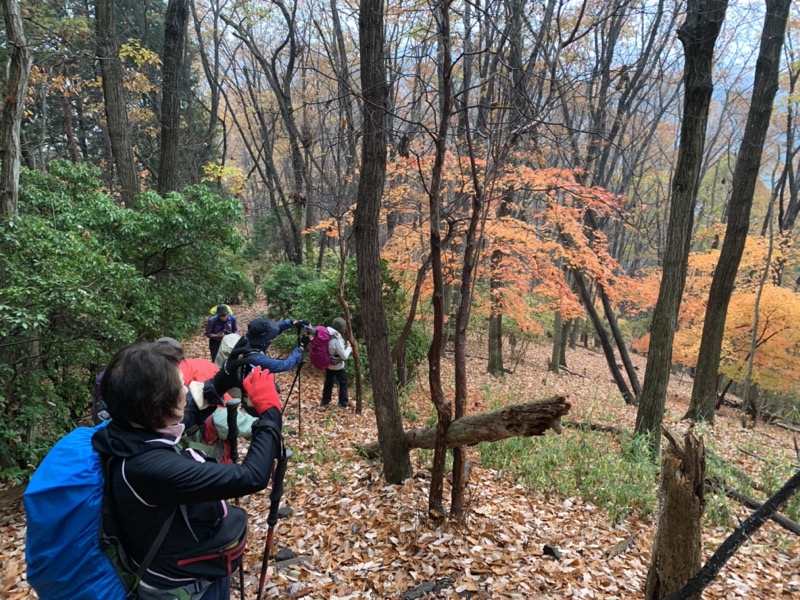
361, 538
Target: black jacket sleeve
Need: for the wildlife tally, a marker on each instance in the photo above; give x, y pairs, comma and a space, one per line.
164, 476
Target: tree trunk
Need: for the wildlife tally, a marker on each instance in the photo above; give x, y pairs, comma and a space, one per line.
569, 337
677, 549
175, 21
211, 70
399, 350
740, 535
605, 342
443, 408
397, 462
520, 420
472, 241
495, 366
622, 348
15, 88
749, 401
558, 342
114, 96
745, 176
69, 131
698, 34
348, 317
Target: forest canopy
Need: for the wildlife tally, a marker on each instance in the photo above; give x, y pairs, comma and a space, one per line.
175, 151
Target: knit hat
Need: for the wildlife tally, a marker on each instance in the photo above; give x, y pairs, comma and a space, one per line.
339, 325
261, 332
222, 310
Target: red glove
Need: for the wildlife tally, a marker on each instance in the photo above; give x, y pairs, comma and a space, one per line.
260, 386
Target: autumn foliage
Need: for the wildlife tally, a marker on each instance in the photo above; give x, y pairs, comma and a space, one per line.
777, 356
540, 232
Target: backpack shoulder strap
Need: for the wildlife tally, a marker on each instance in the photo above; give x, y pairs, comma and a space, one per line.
109, 517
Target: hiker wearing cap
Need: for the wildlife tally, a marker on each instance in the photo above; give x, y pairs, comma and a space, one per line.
339, 350
218, 326
173, 501
260, 333
252, 348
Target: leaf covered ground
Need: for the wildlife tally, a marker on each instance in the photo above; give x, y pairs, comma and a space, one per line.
357, 537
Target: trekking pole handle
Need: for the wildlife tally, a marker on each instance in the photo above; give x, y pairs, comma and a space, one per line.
277, 487
233, 430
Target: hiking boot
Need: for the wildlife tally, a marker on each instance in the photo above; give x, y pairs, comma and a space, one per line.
343, 404
324, 402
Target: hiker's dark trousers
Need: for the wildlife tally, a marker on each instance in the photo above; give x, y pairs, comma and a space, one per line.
340, 375
213, 347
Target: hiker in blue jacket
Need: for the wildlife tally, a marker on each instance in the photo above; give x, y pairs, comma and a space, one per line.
260, 333
153, 488
252, 349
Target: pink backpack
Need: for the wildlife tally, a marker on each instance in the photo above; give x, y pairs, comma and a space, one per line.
318, 349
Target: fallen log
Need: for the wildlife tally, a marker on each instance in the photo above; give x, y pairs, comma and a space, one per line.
519, 420
749, 502
593, 427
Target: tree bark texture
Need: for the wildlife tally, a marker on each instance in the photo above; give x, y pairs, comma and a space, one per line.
698, 34
114, 100
520, 420
740, 535
745, 176
397, 462
495, 365
442, 406
175, 22
677, 549
15, 88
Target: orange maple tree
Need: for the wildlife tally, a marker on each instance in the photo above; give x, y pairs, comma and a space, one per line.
543, 234
777, 353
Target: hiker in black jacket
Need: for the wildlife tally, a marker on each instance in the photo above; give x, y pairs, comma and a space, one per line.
151, 484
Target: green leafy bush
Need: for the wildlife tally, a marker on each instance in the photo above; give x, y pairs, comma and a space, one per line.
282, 288
84, 276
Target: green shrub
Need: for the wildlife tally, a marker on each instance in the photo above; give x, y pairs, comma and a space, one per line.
84, 276
282, 287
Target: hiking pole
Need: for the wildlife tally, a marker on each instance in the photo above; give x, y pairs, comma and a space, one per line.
232, 409
278, 472
289, 397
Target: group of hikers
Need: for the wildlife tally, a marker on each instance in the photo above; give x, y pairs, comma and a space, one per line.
165, 434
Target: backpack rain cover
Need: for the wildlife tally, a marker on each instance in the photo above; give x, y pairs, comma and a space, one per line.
318, 349
64, 508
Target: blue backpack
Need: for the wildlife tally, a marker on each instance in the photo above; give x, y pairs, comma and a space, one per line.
64, 510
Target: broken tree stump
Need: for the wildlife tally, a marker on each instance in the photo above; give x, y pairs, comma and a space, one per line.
677, 550
519, 420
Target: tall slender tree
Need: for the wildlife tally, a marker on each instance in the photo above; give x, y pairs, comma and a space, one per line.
172, 87
698, 34
443, 407
745, 176
375, 91
14, 92
115, 105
